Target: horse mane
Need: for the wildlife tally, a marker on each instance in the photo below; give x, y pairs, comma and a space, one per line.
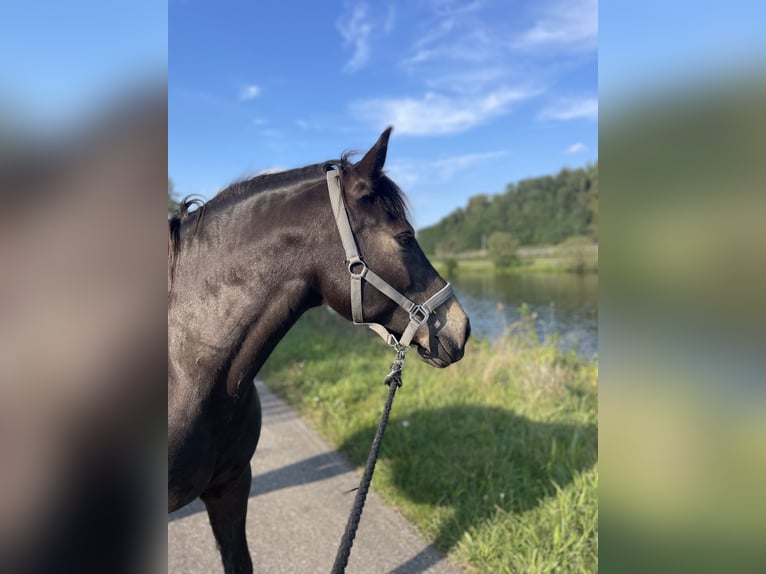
174, 229
387, 194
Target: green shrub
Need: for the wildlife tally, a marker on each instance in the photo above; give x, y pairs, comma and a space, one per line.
578, 254
451, 264
502, 248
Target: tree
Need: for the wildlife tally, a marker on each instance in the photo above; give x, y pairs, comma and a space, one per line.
539, 210
593, 200
502, 248
172, 201
577, 254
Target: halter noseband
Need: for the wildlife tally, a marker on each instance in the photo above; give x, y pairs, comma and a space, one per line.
358, 270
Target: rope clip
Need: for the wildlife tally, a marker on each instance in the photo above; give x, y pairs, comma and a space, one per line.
395, 375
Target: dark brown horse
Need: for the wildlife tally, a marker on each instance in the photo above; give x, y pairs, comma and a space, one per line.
241, 270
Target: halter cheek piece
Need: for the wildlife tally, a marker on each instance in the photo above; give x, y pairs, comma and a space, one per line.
359, 271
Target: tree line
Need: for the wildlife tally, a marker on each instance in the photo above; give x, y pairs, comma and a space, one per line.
535, 211
172, 198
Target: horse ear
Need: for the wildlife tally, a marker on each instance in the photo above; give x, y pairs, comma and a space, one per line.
371, 164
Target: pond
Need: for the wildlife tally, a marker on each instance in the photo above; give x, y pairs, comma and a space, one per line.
565, 303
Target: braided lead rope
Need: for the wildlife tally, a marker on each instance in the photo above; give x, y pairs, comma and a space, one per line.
419, 314
394, 381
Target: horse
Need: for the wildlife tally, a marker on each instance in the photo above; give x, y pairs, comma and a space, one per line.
242, 268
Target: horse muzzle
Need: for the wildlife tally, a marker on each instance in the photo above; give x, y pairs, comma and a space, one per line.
443, 343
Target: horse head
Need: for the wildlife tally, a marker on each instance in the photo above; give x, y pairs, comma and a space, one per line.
389, 255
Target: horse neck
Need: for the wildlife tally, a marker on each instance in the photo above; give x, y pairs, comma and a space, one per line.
241, 282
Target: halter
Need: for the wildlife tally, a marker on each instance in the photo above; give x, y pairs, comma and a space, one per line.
358, 270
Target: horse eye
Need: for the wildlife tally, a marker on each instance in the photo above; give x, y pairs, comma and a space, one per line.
405, 239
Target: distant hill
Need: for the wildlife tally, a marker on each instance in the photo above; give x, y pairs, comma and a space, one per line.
540, 210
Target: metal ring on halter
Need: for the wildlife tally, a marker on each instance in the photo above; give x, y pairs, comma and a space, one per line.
355, 262
419, 314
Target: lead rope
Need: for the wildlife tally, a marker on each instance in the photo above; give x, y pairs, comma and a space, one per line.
394, 381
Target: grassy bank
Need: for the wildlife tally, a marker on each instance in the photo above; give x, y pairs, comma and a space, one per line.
493, 459
578, 255
486, 267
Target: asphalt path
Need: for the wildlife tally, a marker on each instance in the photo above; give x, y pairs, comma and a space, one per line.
299, 504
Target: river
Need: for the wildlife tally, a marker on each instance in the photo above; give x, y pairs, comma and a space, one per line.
565, 303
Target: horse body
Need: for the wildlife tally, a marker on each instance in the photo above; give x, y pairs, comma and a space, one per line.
222, 334
242, 270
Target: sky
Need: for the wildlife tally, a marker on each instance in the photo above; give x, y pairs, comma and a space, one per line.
654, 48
62, 61
479, 93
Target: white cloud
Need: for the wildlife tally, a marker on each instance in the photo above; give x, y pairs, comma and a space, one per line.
468, 79
576, 148
449, 166
462, 50
249, 92
450, 40
356, 31
572, 110
564, 24
474, 49
435, 114
469, 71
410, 172
422, 49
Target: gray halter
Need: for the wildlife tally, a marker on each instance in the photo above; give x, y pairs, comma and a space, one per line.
358, 270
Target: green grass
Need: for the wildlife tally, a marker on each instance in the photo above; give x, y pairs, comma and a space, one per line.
571, 256
485, 266
494, 459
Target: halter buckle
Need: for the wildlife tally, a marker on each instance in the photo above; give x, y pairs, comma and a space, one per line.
419, 315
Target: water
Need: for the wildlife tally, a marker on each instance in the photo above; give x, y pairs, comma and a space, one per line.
566, 303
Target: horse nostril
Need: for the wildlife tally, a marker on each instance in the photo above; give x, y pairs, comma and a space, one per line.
467, 328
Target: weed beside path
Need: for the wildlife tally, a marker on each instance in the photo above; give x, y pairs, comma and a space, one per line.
494, 459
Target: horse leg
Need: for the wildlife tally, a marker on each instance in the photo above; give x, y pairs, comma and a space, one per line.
227, 510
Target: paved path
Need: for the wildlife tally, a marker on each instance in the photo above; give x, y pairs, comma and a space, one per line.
298, 511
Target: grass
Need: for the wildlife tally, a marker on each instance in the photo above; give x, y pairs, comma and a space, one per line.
486, 267
566, 258
493, 459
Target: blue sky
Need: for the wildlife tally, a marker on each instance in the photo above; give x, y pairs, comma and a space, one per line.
480, 94
60, 61
658, 47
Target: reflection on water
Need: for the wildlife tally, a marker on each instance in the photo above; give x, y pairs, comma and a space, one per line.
565, 303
